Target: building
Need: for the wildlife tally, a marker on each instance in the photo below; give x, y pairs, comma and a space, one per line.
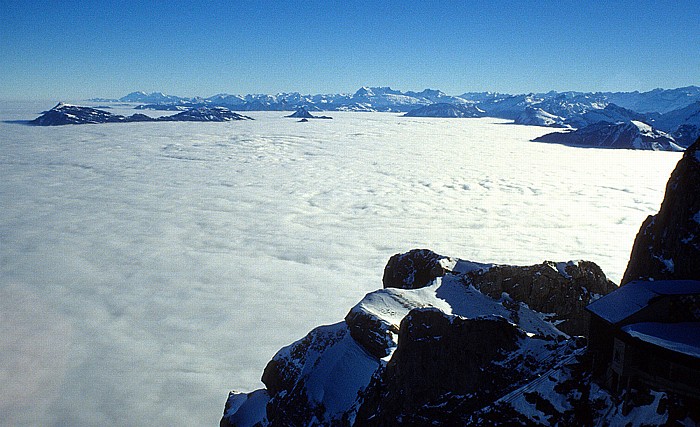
648, 333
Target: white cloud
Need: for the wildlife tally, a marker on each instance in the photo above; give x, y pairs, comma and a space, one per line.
149, 267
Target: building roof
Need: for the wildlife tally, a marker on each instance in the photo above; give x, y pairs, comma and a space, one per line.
683, 337
634, 296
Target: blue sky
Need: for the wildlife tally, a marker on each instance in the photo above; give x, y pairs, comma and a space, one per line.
78, 49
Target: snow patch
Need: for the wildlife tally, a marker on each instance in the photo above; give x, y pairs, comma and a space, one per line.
683, 337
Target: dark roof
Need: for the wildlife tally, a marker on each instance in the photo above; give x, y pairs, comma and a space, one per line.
634, 296
681, 337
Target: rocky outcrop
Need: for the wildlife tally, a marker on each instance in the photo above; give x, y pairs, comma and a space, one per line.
446, 367
65, 114
629, 135
413, 269
394, 350
668, 243
440, 353
447, 111
316, 381
562, 290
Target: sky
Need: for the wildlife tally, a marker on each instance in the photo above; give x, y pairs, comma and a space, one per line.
79, 49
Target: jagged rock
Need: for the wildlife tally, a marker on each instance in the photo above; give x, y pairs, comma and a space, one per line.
245, 409
630, 135
668, 244
447, 366
562, 290
413, 269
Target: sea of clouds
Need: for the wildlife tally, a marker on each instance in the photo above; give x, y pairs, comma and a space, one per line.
148, 268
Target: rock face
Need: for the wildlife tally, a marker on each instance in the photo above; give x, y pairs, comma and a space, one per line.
413, 269
668, 243
316, 380
429, 340
65, 114
630, 135
446, 110
562, 290
471, 355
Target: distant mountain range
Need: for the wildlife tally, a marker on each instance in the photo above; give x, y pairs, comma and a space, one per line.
674, 111
387, 99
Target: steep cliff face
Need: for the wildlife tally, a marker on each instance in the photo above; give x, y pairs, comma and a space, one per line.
562, 290
447, 366
668, 243
429, 336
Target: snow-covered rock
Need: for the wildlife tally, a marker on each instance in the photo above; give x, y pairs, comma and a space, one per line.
508, 106
152, 98
534, 116
429, 310
611, 113
686, 116
205, 114
630, 135
446, 110
65, 114
577, 109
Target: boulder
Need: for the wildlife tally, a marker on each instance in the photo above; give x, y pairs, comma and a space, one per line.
413, 269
